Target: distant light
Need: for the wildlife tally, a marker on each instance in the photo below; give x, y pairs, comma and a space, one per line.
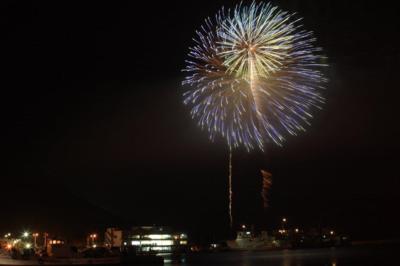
28, 245
284, 220
152, 242
125, 243
135, 243
159, 236
25, 234
248, 233
296, 230
244, 226
94, 246
332, 232
9, 246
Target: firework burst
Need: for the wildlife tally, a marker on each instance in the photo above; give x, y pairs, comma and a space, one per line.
254, 75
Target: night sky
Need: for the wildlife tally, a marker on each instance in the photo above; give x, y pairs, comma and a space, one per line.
94, 132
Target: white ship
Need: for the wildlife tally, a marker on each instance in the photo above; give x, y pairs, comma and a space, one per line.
247, 240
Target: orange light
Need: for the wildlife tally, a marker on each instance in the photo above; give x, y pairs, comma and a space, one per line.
9, 246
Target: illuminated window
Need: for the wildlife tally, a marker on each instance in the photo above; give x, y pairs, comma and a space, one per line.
156, 236
152, 243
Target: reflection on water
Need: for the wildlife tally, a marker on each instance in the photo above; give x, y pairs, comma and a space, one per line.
383, 255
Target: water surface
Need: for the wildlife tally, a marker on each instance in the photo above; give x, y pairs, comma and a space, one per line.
372, 255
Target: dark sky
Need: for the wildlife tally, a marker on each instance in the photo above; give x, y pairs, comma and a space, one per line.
94, 131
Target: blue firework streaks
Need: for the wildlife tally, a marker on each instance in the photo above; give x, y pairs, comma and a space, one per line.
254, 75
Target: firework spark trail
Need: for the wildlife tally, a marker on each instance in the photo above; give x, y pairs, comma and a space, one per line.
266, 186
254, 75
230, 188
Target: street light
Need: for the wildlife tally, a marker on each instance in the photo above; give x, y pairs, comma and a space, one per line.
92, 238
25, 234
283, 223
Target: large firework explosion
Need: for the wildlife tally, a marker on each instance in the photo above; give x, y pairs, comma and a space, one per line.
254, 75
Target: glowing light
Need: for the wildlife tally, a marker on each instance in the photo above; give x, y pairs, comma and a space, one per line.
28, 245
168, 248
296, 230
155, 236
152, 242
25, 234
254, 75
332, 232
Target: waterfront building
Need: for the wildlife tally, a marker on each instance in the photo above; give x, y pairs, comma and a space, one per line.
156, 239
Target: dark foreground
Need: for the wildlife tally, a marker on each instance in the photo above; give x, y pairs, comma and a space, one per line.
377, 255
